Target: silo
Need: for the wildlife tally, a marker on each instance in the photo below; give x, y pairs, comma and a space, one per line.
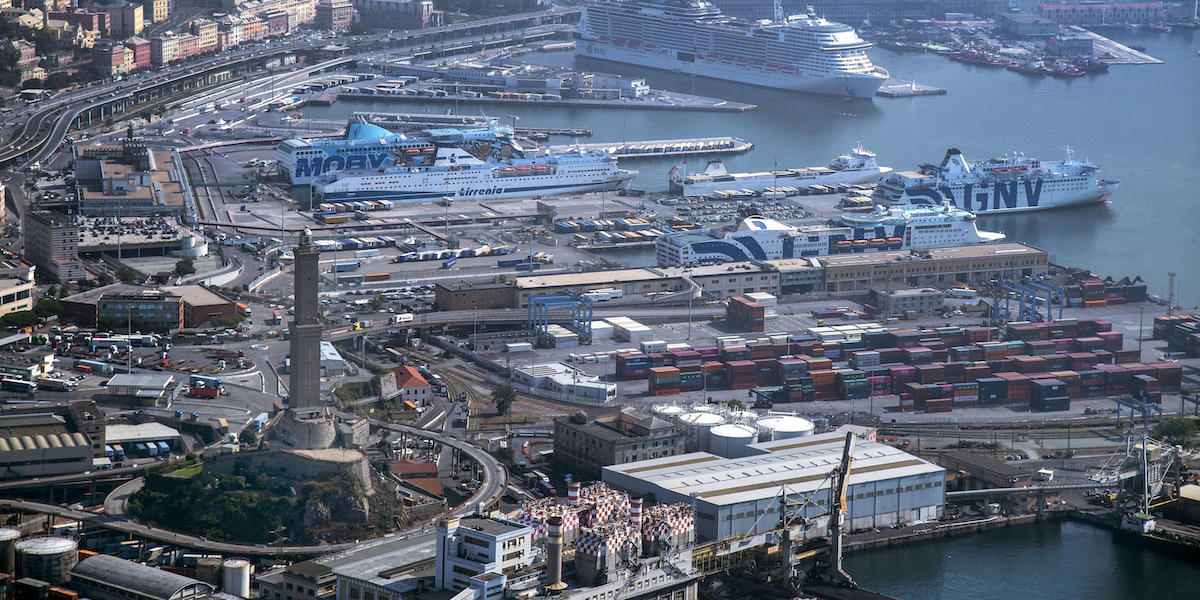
730, 440
782, 427
235, 575
8, 550
698, 425
49, 559
670, 412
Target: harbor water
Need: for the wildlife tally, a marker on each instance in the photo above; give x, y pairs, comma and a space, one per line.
1138, 123
1042, 561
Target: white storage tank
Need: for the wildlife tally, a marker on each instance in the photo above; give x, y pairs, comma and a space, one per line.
730, 440
8, 549
49, 559
235, 575
698, 425
782, 427
705, 408
669, 412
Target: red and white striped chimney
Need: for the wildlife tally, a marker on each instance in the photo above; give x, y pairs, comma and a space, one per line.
573, 493
635, 513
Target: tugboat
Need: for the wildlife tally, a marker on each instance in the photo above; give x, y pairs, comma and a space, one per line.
1063, 69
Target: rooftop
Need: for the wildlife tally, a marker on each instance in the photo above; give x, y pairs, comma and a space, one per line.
489, 526
158, 382
387, 562
803, 464
143, 432
589, 278
135, 577
196, 295
952, 253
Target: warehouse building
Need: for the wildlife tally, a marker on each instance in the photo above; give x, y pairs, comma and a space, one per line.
562, 382
938, 267
36, 444
736, 496
104, 577
921, 301
138, 389
590, 440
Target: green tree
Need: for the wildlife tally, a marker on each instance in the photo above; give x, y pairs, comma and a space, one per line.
47, 307
127, 274
1176, 430
52, 292
377, 301
248, 437
185, 267
736, 404
33, 84
104, 279
21, 318
504, 396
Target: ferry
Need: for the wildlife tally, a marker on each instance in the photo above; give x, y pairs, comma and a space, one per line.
761, 238
859, 166
803, 53
364, 146
1010, 184
480, 163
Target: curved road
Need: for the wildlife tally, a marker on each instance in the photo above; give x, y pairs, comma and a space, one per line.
494, 478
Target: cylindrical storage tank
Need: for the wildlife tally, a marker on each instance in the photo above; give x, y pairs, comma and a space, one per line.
698, 425
49, 559
705, 408
235, 575
730, 440
669, 412
782, 427
8, 550
747, 417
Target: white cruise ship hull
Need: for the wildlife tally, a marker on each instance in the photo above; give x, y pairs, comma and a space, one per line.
758, 184
997, 199
836, 84
430, 188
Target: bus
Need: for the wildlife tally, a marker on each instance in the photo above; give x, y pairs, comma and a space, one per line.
56, 385
17, 385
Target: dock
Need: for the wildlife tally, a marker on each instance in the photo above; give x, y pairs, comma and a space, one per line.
413, 121
652, 148
896, 88
1121, 54
659, 101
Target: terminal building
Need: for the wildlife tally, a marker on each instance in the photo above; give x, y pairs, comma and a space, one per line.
737, 496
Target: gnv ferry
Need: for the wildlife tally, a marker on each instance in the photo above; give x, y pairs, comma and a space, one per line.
1012, 183
474, 163
760, 238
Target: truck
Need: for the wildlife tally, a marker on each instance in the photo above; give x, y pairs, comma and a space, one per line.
342, 267
601, 295
199, 391
202, 380
93, 366
118, 452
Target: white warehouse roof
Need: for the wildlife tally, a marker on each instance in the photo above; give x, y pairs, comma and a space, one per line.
143, 432
803, 464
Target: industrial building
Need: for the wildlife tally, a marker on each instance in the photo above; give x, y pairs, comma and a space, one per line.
472, 546
151, 310
736, 496
142, 433
412, 387
39, 444
129, 179
463, 295
137, 389
103, 577
27, 366
938, 267
332, 364
563, 382
589, 440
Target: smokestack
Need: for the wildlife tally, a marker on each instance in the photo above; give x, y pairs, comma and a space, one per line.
635, 513
573, 493
554, 555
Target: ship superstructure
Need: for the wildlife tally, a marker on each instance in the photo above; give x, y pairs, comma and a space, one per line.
804, 53
1012, 183
760, 238
473, 163
857, 166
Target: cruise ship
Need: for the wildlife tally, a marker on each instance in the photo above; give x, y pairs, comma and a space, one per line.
760, 238
859, 166
1012, 183
478, 163
803, 53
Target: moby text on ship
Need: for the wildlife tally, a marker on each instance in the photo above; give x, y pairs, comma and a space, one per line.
803, 53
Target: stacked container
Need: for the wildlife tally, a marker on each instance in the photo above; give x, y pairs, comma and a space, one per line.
1145, 388
852, 384
1049, 395
632, 366
746, 315
664, 381
741, 375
